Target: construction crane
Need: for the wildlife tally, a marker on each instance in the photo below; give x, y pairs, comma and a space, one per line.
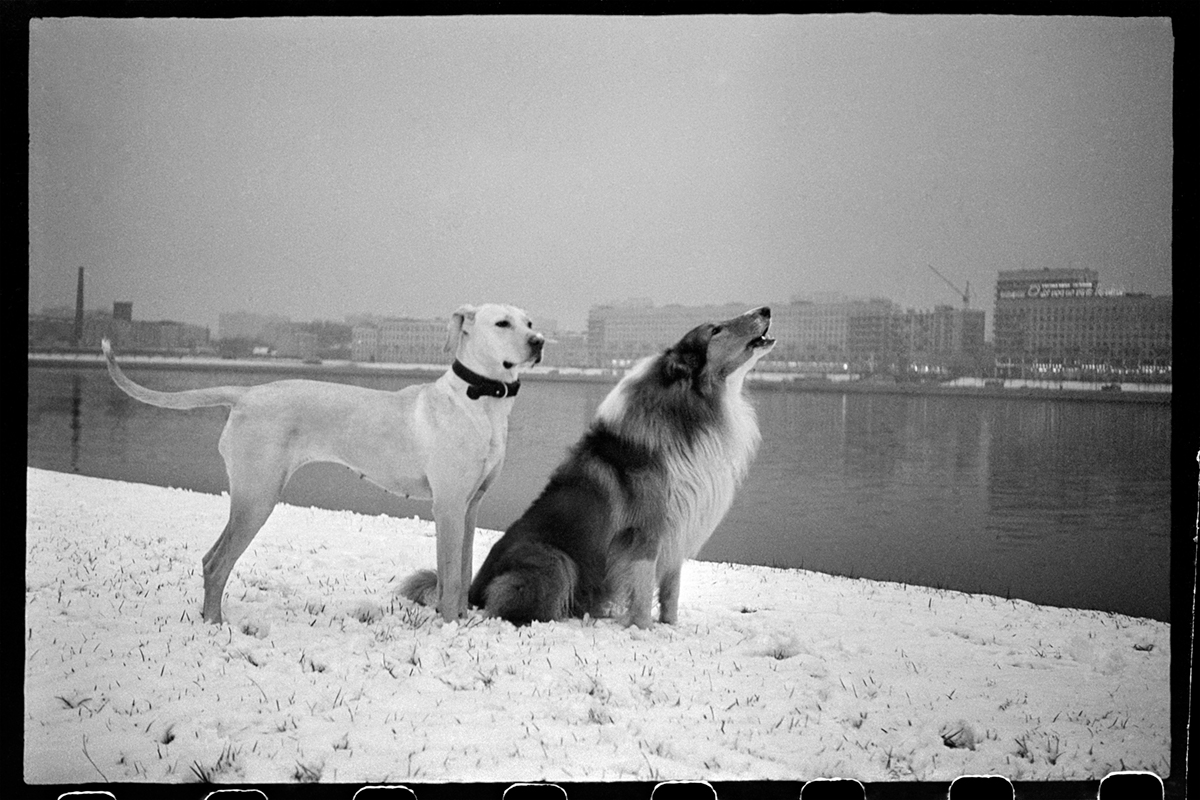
965, 294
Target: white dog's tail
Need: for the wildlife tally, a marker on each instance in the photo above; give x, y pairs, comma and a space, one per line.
193, 398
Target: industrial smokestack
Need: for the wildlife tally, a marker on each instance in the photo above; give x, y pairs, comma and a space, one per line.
78, 336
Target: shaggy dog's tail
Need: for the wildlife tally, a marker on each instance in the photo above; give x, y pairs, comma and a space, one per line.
535, 581
421, 587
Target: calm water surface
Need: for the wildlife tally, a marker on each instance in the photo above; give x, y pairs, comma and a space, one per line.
1058, 502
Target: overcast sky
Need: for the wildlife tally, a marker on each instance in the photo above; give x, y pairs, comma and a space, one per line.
403, 166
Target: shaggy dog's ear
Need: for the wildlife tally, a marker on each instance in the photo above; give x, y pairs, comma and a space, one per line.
458, 319
688, 356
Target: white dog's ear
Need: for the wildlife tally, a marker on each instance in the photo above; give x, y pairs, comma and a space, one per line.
458, 320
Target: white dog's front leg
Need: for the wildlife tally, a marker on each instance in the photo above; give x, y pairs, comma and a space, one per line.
452, 591
469, 528
468, 544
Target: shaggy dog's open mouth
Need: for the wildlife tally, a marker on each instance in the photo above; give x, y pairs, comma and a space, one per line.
762, 340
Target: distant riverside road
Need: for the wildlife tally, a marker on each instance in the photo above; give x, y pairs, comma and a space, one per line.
1013, 387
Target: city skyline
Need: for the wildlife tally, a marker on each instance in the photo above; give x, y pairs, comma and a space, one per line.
356, 317
319, 168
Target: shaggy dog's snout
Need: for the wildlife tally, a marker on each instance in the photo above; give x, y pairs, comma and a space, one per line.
762, 340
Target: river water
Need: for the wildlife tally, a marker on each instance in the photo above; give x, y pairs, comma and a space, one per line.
1061, 502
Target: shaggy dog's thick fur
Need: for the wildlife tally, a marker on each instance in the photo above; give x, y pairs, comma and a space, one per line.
640, 492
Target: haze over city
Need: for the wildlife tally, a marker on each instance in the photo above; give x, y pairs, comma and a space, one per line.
317, 168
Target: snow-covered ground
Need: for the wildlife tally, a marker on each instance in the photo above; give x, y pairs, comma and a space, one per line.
321, 674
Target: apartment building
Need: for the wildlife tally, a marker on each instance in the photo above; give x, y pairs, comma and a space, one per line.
1062, 317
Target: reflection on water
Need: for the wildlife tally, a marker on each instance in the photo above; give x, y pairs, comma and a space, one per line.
1060, 502
76, 422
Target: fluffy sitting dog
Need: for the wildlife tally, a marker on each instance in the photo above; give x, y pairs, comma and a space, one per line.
640, 492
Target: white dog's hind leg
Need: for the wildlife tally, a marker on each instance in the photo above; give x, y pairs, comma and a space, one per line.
253, 492
245, 520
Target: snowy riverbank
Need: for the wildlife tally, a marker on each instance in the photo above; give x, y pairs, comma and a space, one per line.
321, 673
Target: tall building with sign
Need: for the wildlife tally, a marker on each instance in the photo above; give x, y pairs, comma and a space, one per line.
1061, 319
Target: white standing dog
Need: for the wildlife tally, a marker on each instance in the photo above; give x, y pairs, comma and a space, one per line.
443, 440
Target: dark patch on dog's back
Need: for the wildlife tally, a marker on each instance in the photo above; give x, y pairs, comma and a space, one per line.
626, 460
618, 452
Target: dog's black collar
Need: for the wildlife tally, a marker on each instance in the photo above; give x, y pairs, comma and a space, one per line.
478, 386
